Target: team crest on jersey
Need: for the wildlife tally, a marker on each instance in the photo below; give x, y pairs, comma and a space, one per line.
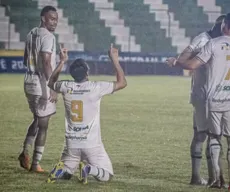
70, 91
225, 46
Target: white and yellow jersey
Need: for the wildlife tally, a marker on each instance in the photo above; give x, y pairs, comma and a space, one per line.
38, 40
199, 75
82, 111
216, 57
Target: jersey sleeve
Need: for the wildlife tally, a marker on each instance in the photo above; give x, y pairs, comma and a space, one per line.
47, 44
195, 43
205, 53
61, 87
105, 88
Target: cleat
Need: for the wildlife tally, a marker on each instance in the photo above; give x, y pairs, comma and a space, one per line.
84, 172
222, 183
200, 181
24, 161
56, 173
36, 169
215, 184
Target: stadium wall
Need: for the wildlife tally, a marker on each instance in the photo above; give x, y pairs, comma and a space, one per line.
99, 63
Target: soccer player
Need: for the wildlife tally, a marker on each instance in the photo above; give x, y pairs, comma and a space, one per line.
82, 120
40, 60
197, 99
215, 56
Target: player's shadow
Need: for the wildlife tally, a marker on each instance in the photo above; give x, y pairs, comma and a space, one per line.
130, 170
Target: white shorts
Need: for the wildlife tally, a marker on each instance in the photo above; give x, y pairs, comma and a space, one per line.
219, 123
199, 117
96, 156
39, 106
37, 93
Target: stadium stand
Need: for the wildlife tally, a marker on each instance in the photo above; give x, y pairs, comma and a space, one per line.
64, 31
224, 4
191, 17
87, 24
168, 23
5, 32
143, 26
211, 9
24, 14
118, 29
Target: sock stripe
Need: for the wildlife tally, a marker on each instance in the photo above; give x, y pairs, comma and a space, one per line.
196, 157
215, 144
38, 152
103, 174
98, 172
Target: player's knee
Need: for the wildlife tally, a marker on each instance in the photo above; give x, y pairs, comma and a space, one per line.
201, 136
43, 122
215, 142
197, 144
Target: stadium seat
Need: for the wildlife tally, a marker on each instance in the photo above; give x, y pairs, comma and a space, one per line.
190, 16
87, 24
26, 21
144, 26
224, 4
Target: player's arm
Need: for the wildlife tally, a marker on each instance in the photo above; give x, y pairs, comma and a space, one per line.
121, 82
201, 58
54, 76
25, 57
47, 46
190, 64
188, 53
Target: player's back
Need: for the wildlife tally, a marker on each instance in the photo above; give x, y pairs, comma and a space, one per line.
39, 40
82, 107
218, 74
199, 75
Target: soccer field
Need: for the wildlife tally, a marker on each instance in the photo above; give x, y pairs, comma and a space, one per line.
146, 130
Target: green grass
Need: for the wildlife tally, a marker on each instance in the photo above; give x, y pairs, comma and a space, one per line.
146, 129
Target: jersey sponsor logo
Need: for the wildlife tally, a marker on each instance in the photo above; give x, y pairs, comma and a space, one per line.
221, 100
226, 88
220, 88
76, 138
77, 92
225, 46
77, 129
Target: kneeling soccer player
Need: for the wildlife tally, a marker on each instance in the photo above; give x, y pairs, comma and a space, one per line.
82, 119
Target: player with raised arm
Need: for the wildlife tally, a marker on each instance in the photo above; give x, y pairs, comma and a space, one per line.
197, 99
40, 60
215, 56
82, 120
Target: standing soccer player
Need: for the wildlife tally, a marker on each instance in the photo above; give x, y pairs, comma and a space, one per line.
198, 99
215, 56
40, 60
82, 120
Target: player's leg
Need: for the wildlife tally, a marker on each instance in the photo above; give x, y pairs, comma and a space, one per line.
24, 158
65, 169
214, 124
40, 141
209, 163
226, 133
99, 165
199, 136
45, 110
